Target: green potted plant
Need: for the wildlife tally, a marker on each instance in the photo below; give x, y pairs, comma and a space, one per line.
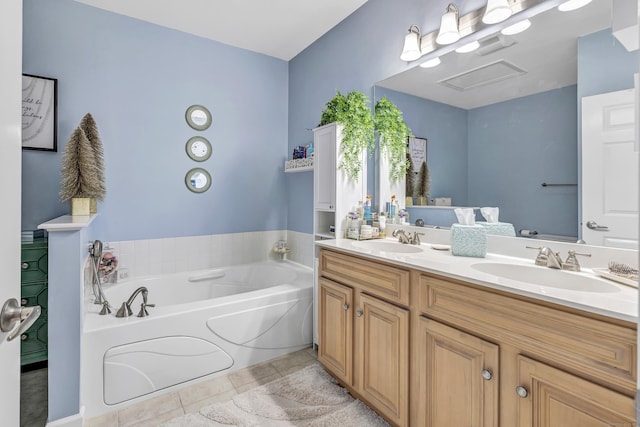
393, 133
354, 114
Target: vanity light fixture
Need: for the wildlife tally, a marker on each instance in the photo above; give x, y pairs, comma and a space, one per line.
572, 5
431, 63
449, 32
516, 28
496, 11
469, 47
411, 50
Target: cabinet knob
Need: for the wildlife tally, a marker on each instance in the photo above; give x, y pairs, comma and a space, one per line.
24, 301
486, 374
359, 313
24, 337
346, 306
522, 392
25, 265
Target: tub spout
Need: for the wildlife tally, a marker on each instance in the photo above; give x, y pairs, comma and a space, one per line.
125, 309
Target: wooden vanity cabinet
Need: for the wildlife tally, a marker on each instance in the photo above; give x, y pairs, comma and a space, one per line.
549, 365
425, 350
363, 331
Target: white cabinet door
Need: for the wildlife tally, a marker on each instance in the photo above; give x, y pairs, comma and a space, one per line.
609, 170
10, 188
324, 174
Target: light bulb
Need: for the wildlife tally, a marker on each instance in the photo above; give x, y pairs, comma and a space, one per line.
411, 50
496, 11
449, 26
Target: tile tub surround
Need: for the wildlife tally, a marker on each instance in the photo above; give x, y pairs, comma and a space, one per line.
172, 255
192, 398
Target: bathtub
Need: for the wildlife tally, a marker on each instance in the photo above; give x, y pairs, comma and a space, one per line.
205, 323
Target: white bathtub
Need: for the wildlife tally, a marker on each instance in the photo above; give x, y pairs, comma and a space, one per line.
205, 323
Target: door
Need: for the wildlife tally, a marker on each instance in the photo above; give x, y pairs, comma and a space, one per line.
458, 375
10, 188
335, 329
609, 170
382, 356
550, 397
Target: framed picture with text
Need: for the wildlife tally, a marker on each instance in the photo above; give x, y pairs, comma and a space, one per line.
39, 115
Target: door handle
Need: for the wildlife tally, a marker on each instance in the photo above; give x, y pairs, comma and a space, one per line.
594, 226
13, 314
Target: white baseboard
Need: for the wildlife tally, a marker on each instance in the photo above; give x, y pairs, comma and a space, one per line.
70, 421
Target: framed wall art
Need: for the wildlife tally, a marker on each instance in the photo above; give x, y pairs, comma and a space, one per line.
39, 115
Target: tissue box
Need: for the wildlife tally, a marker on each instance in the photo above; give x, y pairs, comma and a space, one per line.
468, 240
442, 201
498, 228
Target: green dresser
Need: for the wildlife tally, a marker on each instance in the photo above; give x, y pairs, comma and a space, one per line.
34, 292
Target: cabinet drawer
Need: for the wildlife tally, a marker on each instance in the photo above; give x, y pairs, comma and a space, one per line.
382, 280
584, 345
35, 294
34, 263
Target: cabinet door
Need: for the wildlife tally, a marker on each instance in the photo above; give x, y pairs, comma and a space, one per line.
382, 357
335, 328
458, 377
550, 397
324, 172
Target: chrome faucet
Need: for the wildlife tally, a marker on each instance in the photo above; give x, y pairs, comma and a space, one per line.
125, 309
547, 257
415, 239
95, 252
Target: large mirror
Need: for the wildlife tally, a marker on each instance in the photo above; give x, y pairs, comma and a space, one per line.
503, 123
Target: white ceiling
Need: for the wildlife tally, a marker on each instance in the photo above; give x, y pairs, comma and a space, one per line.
278, 28
547, 52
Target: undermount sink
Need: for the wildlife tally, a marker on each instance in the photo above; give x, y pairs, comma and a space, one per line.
547, 277
386, 246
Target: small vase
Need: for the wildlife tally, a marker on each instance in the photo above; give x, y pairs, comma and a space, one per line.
408, 201
80, 206
421, 201
93, 205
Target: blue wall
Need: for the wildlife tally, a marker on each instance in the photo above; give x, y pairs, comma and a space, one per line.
137, 79
514, 147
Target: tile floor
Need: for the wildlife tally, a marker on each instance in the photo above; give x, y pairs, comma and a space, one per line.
192, 398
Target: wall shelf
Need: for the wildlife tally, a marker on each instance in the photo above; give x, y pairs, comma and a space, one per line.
298, 165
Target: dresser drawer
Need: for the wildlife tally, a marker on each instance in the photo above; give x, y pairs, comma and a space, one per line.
35, 294
376, 278
562, 337
34, 262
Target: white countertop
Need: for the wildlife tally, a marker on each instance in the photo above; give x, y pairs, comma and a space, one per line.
620, 301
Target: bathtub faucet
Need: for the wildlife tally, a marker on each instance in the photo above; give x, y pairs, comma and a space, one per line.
125, 309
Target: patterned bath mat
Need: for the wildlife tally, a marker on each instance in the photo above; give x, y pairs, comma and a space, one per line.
309, 397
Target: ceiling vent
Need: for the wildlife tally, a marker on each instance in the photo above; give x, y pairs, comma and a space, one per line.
494, 44
482, 76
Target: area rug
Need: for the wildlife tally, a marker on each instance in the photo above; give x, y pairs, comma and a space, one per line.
309, 397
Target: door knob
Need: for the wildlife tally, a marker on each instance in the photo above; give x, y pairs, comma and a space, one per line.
13, 314
594, 226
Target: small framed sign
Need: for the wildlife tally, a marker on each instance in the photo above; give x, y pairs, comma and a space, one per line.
39, 115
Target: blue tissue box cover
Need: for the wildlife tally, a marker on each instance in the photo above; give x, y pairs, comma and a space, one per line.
499, 228
468, 240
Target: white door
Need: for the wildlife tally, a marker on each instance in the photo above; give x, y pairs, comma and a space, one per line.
10, 185
609, 170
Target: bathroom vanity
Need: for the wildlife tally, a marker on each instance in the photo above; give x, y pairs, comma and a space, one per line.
428, 339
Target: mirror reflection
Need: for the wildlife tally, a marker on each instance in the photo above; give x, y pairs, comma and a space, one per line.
507, 118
